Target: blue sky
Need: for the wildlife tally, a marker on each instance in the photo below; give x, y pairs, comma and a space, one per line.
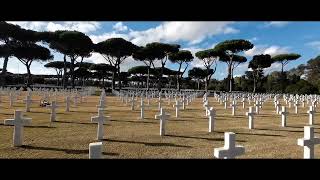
272, 38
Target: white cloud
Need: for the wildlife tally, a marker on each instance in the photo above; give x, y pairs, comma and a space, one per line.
274, 50
82, 26
196, 62
314, 44
276, 24
273, 67
96, 58
127, 64
15, 66
192, 32
34, 25
253, 39
120, 27
264, 49
105, 36
170, 32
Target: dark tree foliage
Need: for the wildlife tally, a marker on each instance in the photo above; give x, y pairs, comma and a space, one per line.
181, 57
102, 71
82, 73
58, 67
257, 64
230, 48
284, 59
27, 53
147, 55
198, 74
209, 58
142, 70
72, 44
10, 35
161, 52
115, 51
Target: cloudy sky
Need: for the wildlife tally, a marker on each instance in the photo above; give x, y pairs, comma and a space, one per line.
268, 38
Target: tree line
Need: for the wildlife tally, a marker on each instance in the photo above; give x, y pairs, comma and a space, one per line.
29, 46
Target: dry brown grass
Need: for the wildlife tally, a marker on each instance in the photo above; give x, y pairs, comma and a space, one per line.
128, 137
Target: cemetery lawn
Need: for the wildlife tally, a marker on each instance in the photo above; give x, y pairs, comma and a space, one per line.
126, 136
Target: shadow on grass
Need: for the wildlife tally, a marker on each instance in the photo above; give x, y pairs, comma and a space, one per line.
87, 112
7, 114
255, 134
147, 143
48, 127
137, 121
68, 151
286, 130
266, 115
75, 122
192, 137
38, 112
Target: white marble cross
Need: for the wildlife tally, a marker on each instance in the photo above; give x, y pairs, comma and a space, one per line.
314, 103
308, 142
296, 104
163, 117
101, 104
11, 98
258, 105
230, 150
290, 101
284, 114
311, 113
211, 114
18, 123
206, 106
169, 98
76, 97
278, 105
303, 102
159, 102
177, 106
28, 102
100, 119
95, 150
251, 114
53, 108
132, 103
142, 109
233, 106
225, 104
183, 102
243, 103
67, 104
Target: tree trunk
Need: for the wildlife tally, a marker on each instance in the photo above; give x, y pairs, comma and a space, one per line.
230, 77
178, 83
119, 78
29, 80
64, 78
148, 78
160, 77
198, 84
282, 78
72, 72
4, 71
254, 84
113, 81
207, 84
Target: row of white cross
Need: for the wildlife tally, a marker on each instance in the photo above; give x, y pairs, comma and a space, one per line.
230, 150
